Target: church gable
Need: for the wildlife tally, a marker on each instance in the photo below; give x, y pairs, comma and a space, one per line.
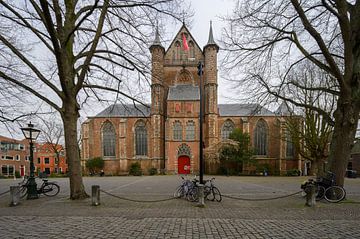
176, 54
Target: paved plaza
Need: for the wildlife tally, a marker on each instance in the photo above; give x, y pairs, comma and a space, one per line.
287, 217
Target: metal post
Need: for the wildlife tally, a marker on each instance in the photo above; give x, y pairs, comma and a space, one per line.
200, 66
95, 195
14, 195
201, 196
32, 186
310, 195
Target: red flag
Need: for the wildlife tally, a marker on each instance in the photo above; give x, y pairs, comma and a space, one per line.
185, 45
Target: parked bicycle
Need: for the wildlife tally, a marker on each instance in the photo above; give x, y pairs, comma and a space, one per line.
189, 189
186, 189
326, 188
47, 188
211, 192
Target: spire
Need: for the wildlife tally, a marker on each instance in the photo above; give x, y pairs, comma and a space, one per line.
211, 40
156, 40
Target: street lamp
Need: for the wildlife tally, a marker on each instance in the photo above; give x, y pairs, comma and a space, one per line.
31, 134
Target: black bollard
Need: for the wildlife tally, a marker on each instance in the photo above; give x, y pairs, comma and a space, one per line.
95, 195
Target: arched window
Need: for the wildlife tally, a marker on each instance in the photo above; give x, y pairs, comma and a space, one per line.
178, 48
190, 130
260, 137
289, 145
192, 49
184, 149
177, 130
108, 139
226, 129
141, 138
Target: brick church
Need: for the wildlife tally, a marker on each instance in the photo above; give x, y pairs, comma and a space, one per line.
165, 134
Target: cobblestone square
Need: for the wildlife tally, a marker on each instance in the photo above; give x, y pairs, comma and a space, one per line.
287, 217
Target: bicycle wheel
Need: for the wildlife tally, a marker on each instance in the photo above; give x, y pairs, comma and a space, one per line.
179, 192
23, 191
319, 192
217, 194
193, 194
51, 189
208, 195
335, 194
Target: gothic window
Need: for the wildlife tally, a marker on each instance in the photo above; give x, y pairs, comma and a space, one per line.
184, 150
289, 145
108, 139
260, 137
177, 130
141, 138
226, 129
178, 48
190, 130
192, 49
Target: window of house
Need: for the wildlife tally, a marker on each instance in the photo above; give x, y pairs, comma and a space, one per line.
141, 139
226, 129
46, 160
177, 129
7, 170
108, 139
38, 160
9, 157
260, 137
17, 157
47, 171
190, 130
27, 158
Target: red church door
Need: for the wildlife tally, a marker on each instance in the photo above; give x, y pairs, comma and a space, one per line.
183, 165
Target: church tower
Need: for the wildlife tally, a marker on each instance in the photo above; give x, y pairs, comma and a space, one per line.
210, 90
157, 101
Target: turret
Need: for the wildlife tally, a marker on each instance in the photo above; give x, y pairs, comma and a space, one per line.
210, 88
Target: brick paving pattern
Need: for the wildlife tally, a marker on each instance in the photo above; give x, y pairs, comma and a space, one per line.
283, 218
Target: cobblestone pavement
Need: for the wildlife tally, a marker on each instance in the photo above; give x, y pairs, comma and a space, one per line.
60, 217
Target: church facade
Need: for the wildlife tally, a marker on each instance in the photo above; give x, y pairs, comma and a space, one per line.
165, 134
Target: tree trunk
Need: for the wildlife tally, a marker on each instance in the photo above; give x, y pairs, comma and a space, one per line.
346, 118
70, 117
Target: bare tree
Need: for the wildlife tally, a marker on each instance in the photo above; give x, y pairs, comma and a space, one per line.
64, 52
52, 133
268, 38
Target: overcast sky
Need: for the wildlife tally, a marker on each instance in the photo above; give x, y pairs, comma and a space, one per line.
205, 11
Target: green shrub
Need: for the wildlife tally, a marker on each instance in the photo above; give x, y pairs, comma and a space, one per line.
152, 171
135, 169
17, 174
94, 165
293, 172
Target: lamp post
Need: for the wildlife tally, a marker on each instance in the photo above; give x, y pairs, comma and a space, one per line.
31, 134
201, 144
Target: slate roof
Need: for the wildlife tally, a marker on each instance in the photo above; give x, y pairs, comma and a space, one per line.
243, 110
125, 110
184, 92
283, 110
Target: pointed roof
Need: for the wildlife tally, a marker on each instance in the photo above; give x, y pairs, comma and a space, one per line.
183, 28
211, 41
157, 39
284, 110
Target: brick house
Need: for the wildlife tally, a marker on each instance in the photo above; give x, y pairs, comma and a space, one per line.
50, 158
165, 134
354, 162
14, 156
